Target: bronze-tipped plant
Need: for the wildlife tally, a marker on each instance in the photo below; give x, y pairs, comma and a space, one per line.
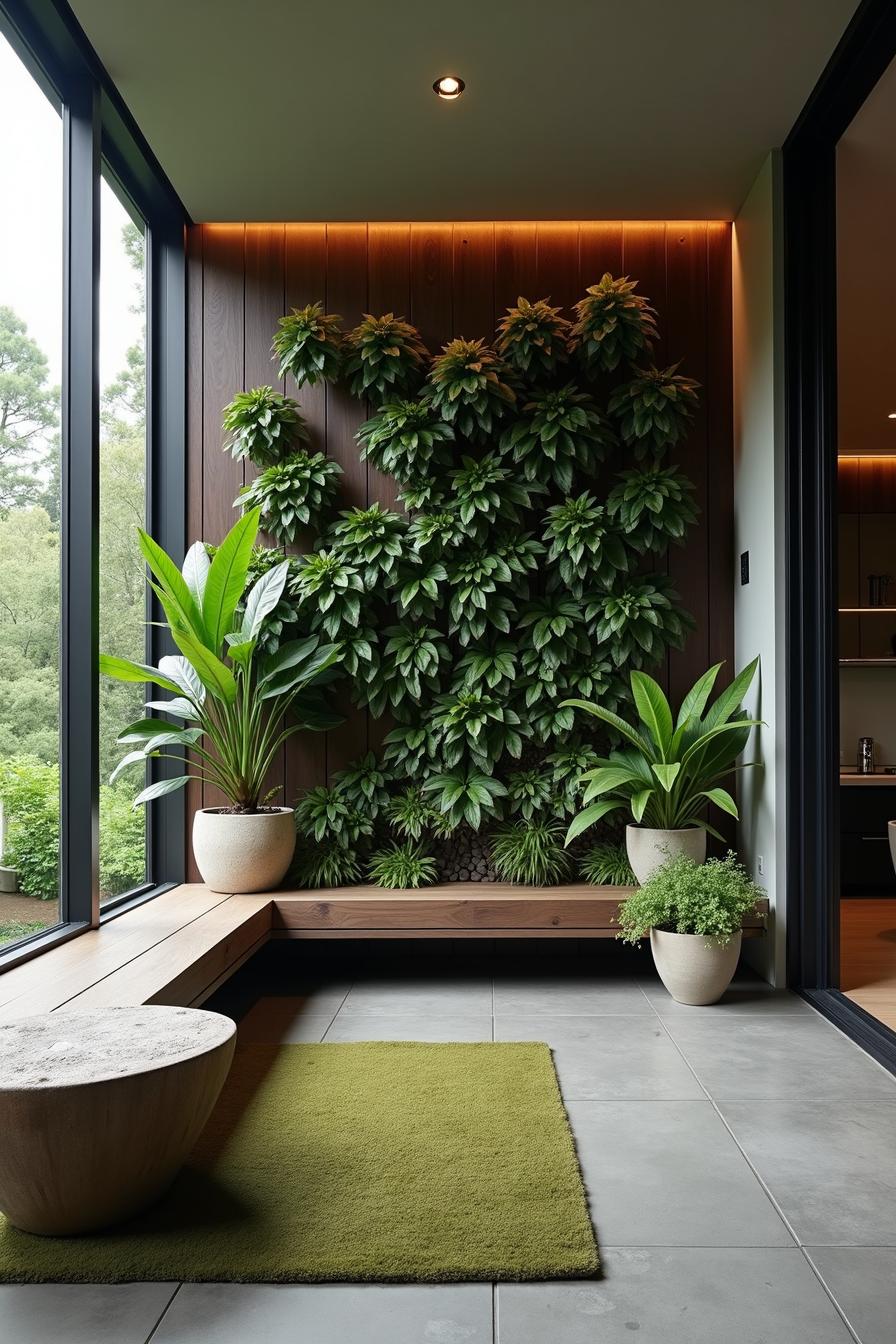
612, 323
467, 386
308, 343
263, 426
533, 337
385, 357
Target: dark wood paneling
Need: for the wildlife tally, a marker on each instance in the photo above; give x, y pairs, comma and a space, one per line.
457, 280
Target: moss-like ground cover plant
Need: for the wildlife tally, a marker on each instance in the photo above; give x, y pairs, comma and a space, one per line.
524, 566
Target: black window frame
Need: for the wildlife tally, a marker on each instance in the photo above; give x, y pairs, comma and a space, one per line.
100, 133
810, 314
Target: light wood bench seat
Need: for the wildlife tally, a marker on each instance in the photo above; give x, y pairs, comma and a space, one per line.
178, 948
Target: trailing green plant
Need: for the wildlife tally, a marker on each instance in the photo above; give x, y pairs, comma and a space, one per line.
468, 386
411, 814
606, 865
264, 426
292, 494
402, 864
363, 785
464, 795
327, 814
668, 770
476, 603
285, 615
409, 441
331, 589
560, 432
412, 748
370, 539
653, 507
417, 586
477, 727
385, 356
612, 324
654, 408
308, 343
484, 492
708, 899
413, 657
529, 793
585, 543
532, 338
325, 864
530, 852
494, 668
568, 765
637, 621
240, 706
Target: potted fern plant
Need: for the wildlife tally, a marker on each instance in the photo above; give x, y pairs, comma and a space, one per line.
694, 915
669, 770
234, 705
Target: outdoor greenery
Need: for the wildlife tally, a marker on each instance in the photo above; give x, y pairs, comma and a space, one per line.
523, 568
709, 898
668, 771
30, 600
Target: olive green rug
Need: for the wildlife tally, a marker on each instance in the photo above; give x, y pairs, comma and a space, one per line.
378, 1161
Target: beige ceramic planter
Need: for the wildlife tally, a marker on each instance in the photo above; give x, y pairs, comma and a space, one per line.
243, 853
693, 969
648, 850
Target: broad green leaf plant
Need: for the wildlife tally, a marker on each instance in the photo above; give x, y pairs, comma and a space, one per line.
668, 770
233, 706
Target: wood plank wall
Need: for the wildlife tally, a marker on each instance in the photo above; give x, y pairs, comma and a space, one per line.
455, 279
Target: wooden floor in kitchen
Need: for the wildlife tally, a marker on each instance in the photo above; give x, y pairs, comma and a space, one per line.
868, 955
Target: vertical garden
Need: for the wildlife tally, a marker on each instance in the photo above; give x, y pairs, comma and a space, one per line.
523, 566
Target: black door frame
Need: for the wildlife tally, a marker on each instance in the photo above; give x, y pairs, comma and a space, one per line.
810, 276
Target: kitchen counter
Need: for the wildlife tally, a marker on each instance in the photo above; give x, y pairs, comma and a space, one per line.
867, 781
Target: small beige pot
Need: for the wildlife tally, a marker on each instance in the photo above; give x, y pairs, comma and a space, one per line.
693, 969
243, 853
648, 850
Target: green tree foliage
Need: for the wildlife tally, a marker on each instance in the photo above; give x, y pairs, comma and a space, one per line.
29, 414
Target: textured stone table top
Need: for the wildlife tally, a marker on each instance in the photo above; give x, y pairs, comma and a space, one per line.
70, 1049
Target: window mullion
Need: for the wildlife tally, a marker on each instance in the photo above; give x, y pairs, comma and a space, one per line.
80, 891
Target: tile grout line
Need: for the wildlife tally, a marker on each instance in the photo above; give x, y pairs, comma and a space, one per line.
709, 1097
151, 1335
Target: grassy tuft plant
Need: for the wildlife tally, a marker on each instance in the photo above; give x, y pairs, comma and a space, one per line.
402, 864
606, 865
613, 323
325, 864
385, 357
308, 343
264, 426
530, 852
292, 494
410, 813
532, 338
709, 898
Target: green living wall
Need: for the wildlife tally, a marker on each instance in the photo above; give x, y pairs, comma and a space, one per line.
537, 497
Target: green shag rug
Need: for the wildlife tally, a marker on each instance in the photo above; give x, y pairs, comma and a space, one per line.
370, 1161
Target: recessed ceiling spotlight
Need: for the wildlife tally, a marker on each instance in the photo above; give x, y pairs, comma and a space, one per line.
892, 415
449, 87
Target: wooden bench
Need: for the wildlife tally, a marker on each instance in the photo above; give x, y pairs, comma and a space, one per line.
178, 948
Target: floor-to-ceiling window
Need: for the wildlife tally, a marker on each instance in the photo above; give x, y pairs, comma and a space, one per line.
31, 342
122, 593
92, 312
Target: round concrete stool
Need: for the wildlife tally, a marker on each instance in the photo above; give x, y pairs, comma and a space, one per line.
99, 1110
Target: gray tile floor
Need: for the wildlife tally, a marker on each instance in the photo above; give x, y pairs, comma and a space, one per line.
740, 1161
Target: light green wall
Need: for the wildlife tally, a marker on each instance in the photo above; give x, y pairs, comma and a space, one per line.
759, 519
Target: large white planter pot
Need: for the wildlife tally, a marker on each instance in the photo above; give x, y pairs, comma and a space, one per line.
648, 850
694, 969
248, 852
891, 831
